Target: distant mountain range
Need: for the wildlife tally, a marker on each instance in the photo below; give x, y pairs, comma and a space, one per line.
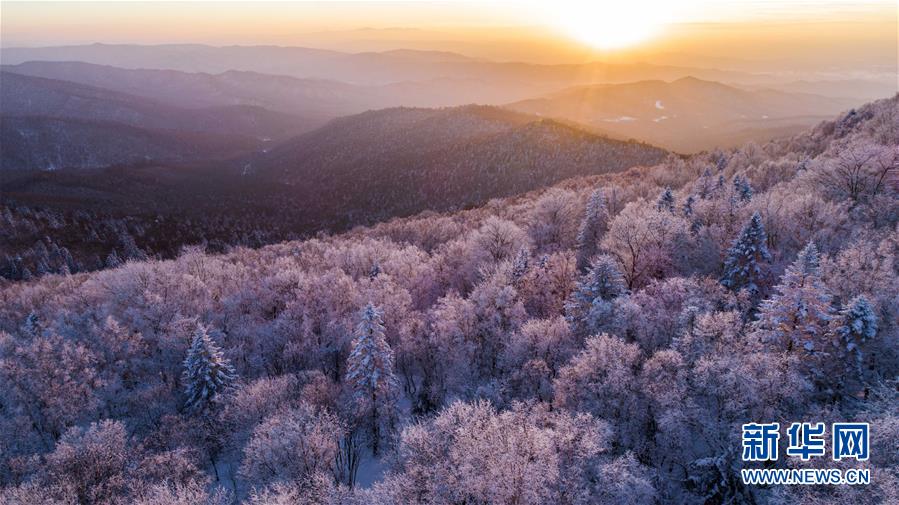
366, 68
688, 114
53, 124
685, 115
313, 98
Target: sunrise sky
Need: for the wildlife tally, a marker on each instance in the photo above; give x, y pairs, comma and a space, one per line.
791, 33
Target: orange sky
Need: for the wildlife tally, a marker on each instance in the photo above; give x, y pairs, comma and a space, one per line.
794, 31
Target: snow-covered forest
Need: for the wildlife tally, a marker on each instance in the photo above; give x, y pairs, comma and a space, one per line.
598, 341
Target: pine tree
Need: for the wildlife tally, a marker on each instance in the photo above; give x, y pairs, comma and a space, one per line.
797, 317
855, 325
742, 268
687, 208
722, 162
113, 261
370, 376
207, 373
666, 201
31, 326
520, 265
589, 303
742, 189
591, 229
705, 183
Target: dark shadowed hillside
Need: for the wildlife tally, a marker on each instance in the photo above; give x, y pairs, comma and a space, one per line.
43, 143
400, 161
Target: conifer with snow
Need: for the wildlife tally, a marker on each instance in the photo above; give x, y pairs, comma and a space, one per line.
687, 208
370, 376
113, 261
666, 201
591, 229
742, 189
721, 164
207, 373
742, 268
521, 264
590, 302
31, 326
855, 325
797, 317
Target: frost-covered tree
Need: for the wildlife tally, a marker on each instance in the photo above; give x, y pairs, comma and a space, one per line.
520, 264
687, 208
207, 373
590, 303
665, 201
93, 461
602, 380
553, 219
855, 325
592, 227
31, 326
648, 243
742, 266
292, 445
797, 317
370, 377
375, 270
742, 189
112, 260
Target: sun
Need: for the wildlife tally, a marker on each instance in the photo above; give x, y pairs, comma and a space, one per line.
608, 24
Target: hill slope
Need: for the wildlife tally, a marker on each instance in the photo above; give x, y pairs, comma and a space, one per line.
42, 143
401, 161
103, 126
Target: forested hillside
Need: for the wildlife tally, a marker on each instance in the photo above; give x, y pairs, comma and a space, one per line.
600, 340
400, 161
357, 170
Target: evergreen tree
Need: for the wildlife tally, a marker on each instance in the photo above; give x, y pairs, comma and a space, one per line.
207, 373
855, 325
742, 189
591, 229
705, 183
797, 317
31, 326
721, 163
666, 201
520, 264
590, 302
113, 261
742, 265
687, 208
370, 376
